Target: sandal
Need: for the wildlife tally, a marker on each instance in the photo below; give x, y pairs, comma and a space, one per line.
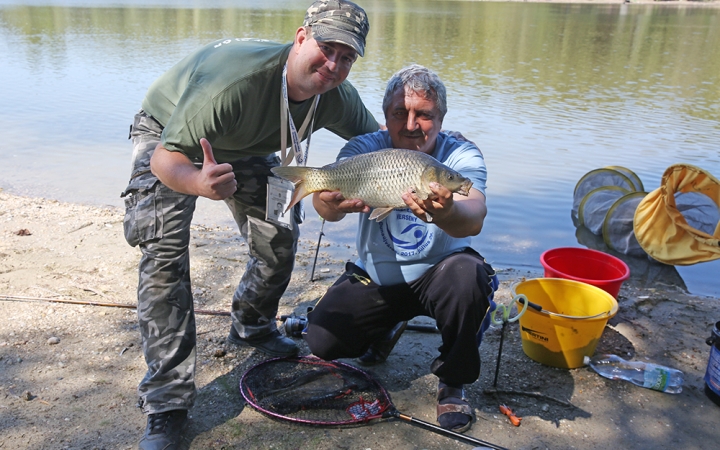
453, 410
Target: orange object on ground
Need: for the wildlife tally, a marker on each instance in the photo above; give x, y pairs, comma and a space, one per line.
515, 420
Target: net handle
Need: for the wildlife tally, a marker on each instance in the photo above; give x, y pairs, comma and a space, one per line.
480, 444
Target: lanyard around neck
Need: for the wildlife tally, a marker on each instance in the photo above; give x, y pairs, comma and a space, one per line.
295, 136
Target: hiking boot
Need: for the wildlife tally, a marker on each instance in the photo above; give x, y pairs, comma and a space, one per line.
380, 349
164, 431
273, 344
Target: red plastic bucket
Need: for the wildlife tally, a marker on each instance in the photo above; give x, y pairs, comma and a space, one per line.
588, 266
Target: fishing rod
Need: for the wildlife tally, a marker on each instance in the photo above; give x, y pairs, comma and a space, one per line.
18, 298
317, 249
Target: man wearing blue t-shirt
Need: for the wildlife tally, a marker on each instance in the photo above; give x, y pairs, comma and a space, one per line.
416, 262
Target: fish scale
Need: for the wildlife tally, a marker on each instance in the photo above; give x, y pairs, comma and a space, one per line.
379, 178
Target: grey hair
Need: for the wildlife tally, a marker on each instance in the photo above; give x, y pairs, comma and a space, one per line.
420, 80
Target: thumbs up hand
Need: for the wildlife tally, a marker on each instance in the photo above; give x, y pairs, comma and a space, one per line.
217, 181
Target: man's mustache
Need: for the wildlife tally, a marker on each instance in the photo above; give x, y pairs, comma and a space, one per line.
413, 134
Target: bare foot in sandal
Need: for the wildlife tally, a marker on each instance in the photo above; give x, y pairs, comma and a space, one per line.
453, 410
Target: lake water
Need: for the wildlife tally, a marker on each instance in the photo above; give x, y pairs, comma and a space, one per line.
548, 91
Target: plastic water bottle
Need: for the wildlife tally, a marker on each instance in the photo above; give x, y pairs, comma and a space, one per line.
647, 375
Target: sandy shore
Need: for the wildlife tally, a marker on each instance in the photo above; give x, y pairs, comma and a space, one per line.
68, 371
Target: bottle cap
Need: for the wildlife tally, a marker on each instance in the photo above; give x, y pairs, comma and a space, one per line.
586, 360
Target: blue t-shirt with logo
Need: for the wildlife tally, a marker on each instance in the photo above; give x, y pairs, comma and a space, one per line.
402, 247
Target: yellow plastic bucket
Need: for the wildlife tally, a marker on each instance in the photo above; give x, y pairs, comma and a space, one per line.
570, 324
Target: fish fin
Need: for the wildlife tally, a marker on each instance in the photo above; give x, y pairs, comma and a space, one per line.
297, 176
421, 192
428, 217
380, 214
294, 174
298, 194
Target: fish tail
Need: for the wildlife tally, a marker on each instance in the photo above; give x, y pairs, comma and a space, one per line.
298, 176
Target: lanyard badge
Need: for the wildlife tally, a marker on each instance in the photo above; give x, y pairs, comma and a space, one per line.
279, 193
279, 190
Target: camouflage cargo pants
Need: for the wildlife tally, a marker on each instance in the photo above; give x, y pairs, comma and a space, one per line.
158, 220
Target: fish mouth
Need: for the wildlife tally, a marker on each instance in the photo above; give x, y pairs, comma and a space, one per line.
465, 188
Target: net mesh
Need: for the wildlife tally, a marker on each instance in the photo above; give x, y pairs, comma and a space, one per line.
679, 222
617, 230
313, 391
699, 211
599, 178
596, 204
604, 203
632, 176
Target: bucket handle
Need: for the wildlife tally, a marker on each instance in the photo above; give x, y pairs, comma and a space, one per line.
506, 312
522, 299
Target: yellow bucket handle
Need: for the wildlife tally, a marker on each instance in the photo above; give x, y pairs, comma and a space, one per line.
506, 311
524, 300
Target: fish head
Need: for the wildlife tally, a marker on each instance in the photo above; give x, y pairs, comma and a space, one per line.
452, 180
465, 186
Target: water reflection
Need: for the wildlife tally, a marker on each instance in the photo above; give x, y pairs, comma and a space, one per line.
548, 91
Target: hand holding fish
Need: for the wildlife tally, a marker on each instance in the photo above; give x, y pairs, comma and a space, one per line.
455, 214
436, 208
332, 206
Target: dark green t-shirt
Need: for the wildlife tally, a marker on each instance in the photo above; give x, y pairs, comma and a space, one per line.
229, 93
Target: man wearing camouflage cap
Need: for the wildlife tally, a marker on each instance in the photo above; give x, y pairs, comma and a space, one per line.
210, 126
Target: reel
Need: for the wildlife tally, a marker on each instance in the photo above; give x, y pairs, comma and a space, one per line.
294, 324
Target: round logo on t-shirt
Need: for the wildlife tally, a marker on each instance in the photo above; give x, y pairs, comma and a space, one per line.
405, 234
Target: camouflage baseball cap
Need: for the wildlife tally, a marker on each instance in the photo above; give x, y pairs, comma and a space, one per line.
338, 21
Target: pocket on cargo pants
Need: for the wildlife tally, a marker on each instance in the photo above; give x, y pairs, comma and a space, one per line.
142, 211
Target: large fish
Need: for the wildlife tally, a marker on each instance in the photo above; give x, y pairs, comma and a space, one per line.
379, 178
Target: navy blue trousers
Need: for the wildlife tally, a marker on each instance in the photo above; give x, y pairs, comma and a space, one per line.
355, 312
